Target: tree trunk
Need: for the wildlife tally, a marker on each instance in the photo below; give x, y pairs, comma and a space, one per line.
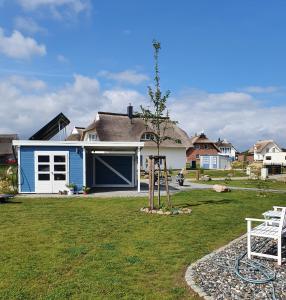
159, 173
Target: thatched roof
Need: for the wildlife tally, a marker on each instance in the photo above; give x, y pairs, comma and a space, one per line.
202, 139
119, 127
260, 145
6, 143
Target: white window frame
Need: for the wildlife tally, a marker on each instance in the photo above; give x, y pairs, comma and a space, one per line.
92, 137
144, 136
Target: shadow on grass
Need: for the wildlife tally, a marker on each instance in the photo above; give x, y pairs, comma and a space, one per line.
203, 202
3, 202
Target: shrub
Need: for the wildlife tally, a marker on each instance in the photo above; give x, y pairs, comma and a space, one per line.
6, 186
237, 165
255, 169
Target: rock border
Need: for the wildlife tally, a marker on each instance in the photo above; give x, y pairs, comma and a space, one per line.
181, 211
189, 272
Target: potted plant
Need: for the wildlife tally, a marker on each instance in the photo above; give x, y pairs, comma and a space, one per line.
71, 188
86, 190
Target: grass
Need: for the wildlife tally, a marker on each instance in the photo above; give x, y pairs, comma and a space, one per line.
217, 173
250, 183
88, 248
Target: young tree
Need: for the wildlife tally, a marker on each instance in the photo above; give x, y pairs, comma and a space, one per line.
156, 116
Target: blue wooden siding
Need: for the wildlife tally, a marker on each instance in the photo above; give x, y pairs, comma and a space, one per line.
27, 164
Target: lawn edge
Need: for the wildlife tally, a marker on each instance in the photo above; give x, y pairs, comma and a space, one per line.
189, 272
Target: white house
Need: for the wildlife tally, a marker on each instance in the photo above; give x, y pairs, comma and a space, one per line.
128, 127
226, 148
275, 158
261, 148
275, 162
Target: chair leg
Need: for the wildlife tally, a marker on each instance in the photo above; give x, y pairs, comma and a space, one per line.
279, 251
248, 245
249, 240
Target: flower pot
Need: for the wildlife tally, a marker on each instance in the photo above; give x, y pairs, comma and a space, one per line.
70, 192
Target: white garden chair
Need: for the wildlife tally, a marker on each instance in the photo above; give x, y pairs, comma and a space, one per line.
268, 229
278, 208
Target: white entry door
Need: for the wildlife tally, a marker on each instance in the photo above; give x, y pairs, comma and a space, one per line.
51, 171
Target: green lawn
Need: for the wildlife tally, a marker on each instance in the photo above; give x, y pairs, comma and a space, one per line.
250, 183
87, 248
217, 173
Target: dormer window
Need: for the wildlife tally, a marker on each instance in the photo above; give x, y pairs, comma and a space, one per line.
148, 136
92, 137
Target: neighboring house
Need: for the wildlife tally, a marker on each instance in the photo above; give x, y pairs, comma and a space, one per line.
218, 162
6, 149
226, 148
275, 162
200, 145
245, 157
117, 127
261, 148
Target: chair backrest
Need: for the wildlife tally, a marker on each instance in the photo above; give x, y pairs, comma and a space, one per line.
282, 223
278, 207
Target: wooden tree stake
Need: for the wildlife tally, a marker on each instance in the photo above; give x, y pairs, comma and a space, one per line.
166, 184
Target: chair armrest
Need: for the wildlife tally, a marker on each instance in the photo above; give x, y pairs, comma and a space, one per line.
255, 220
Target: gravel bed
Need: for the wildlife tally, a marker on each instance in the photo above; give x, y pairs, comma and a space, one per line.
213, 276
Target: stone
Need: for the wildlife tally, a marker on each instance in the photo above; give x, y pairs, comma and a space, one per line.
220, 188
205, 178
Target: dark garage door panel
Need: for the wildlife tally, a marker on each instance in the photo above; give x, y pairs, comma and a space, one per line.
105, 176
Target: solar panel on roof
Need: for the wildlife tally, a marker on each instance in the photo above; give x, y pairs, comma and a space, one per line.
52, 128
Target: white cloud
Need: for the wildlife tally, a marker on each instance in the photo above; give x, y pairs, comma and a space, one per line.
128, 76
62, 59
27, 84
58, 8
261, 89
28, 25
79, 100
19, 46
239, 117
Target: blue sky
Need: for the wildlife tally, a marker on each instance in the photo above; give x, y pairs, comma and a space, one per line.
224, 62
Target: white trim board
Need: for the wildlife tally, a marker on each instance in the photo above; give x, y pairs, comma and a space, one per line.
78, 143
19, 170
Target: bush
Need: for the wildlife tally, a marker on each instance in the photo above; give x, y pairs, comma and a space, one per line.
6, 186
255, 169
237, 165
